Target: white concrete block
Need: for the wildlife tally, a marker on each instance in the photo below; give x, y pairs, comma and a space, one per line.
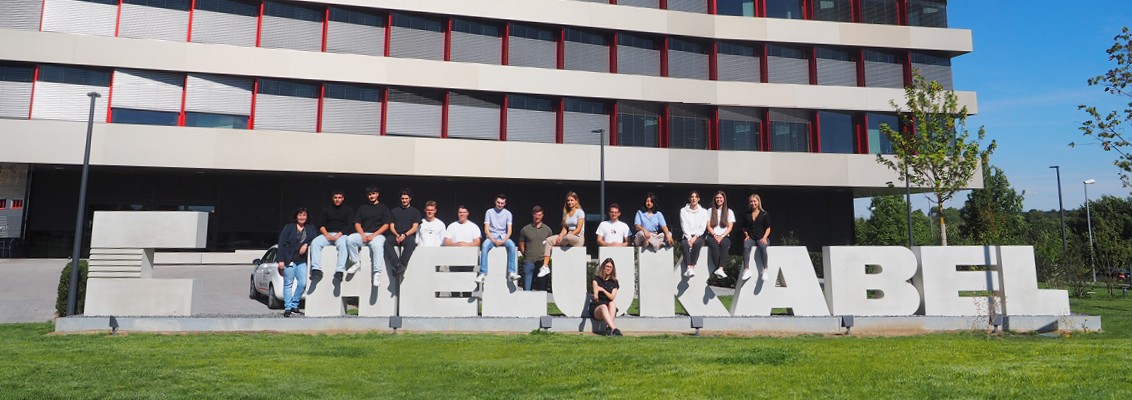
624, 261
502, 297
141, 297
423, 281
800, 291
658, 283
149, 229
1020, 285
694, 293
940, 282
325, 298
568, 264
847, 284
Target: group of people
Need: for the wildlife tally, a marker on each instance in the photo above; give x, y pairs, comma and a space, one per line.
392, 235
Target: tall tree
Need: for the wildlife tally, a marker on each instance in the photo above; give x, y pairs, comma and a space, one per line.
1107, 129
993, 214
888, 224
934, 149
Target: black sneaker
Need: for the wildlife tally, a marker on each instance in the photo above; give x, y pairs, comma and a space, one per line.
316, 275
617, 332
608, 332
296, 311
286, 313
338, 277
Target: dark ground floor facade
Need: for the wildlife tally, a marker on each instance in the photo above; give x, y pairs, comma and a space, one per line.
247, 208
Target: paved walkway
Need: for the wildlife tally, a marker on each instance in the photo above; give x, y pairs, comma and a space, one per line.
27, 289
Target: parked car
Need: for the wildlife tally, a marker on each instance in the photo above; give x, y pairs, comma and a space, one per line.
1120, 275
266, 280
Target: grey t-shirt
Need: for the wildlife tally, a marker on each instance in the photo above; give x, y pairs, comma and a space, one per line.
534, 237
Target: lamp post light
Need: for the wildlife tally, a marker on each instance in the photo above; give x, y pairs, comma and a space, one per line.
1089, 219
72, 288
601, 138
1061, 207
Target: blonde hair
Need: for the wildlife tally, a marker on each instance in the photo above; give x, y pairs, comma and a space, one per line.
760, 199
566, 205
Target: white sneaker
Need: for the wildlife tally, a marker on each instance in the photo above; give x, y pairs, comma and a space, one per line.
544, 271
746, 274
376, 279
513, 276
480, 278
352, 266
690, 272
762, 277
720, 273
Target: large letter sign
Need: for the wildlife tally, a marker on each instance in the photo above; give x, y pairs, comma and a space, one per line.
940, 281
502, 297
569, 282
800, 291
658, 283
324, 298
1019, 285
694, 293
847, 284
623, 258
422, 282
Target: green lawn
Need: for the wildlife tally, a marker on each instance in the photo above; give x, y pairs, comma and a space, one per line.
36, 364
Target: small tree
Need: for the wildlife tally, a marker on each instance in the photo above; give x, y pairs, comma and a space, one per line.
993, 214
1107, 129
887, 225
934, 149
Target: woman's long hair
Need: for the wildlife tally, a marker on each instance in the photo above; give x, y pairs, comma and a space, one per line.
719, 219
566, 206
649, 197
601, 267
760, 199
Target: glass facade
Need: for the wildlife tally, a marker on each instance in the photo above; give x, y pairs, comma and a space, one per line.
739, 135
931, 13
787, 9
743, 8
209, 120
144, 117
790, 130
833, 10
836, 132
878, 142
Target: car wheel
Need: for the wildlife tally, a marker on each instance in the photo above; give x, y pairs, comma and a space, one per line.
273, 302
252, 293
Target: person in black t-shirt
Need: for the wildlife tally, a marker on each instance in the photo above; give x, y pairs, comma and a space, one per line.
370, 223
402, 233
756, 232
335, 223
604, 292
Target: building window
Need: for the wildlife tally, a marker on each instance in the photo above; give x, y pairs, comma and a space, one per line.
742, 8
531, 119
351, 109
688, 127
787, 65
74, 76
878, 142
836, 131
288, 11
638, 55
474, 115
16, 73
788, 9
687, 59
417, 37
417, 22
738, 62
414, 112
355, 32
640, 3
236, 7
934, 67
740, 128
931, 13
883, 69
338, 14
581, 118
693, 6
287, 88
531, 46
3, 204
144, 117
879, 12
833, 10
836, 67
17, 204
15, 83
353, 92
790, 130
210, 120
586, 51
638, 125
181, 5
476, 42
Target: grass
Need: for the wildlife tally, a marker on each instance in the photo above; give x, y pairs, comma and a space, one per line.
36, 364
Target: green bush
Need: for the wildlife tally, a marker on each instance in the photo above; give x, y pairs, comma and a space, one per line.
64, 286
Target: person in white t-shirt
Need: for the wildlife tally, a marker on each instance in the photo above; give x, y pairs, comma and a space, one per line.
430, 233
462, 232
693, 221
717, 236
613, 232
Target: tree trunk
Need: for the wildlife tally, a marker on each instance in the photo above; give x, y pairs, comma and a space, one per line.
942, 224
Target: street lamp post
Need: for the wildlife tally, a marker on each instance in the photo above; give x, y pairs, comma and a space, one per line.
1061, 207
601, 138
908, 198
72, 288
1089, 219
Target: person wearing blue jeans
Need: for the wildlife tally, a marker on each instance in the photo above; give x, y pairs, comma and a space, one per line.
371, 221
333, 224
497, 225
294, 241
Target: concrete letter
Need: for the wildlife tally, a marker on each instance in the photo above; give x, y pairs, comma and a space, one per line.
694, 293
569, 281
502, 298
847, 284
658, 283
800, 292
940, 283
324, 299
422, 282
1020, 285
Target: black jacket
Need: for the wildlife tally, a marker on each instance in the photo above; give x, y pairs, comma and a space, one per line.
290, 242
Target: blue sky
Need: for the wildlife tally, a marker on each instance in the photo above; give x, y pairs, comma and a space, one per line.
1029, 67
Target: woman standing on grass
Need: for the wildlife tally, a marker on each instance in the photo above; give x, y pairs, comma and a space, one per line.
573, 222
293, 243
605, 286
756, 234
